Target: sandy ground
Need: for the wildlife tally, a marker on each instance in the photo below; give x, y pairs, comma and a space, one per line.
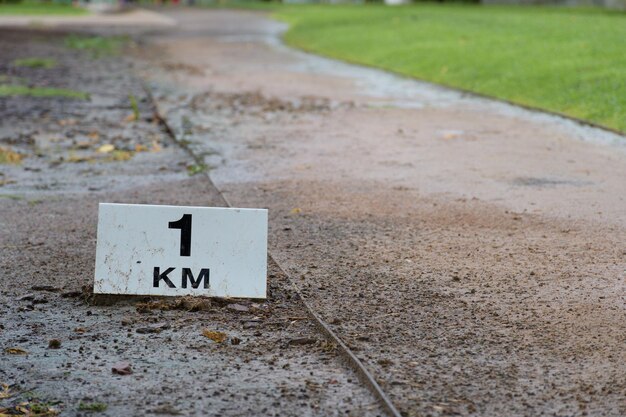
470, 252
58, 348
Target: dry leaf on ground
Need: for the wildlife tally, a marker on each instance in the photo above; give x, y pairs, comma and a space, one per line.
15, 351
77, 158
33, 409
106, 148
217, 337
7, 156
6, 391
118, 155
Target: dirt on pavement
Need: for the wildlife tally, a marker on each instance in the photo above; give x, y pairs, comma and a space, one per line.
471, 253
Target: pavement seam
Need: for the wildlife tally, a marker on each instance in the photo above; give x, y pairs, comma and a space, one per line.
345, 352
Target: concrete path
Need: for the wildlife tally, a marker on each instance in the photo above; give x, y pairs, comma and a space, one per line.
471, 252
274, 362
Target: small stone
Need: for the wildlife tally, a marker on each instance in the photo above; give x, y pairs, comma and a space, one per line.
238, 307
27, 297
250, 325
153, 329
122, 368
44, 288
301, 341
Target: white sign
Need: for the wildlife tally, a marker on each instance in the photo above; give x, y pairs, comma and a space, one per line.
171, 250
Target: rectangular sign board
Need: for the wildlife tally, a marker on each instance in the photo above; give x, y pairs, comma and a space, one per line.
172, 250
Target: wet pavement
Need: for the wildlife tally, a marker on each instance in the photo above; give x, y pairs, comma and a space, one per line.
469, 251
59, 345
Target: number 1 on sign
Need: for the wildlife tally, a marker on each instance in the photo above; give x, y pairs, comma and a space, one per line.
184, 224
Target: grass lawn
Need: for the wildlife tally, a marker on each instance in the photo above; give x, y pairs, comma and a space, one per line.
10, 90
39, 8
46, 63
97, 45
571, 61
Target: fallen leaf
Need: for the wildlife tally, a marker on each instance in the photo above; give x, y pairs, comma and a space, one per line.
68, 122
166, 409
80, 330
328, 346
76, 158
120, 156
451, 134
140, 148
54, 344
8, 156
15, 351
217, 337
106, 148
94, 135
156, 147
130, 118
34, 409
122, 368
184, 303
296, 210
6, 391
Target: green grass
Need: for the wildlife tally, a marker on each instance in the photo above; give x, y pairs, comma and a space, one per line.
196, 169
9, 90
40, 8
46, 63
95, 407
97, 45
134, 106
13, 197
570, 61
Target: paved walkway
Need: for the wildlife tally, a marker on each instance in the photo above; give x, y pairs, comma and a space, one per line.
470, 251
274, 361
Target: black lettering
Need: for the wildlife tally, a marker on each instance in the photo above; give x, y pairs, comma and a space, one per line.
195, 283
157, 277
184, 224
